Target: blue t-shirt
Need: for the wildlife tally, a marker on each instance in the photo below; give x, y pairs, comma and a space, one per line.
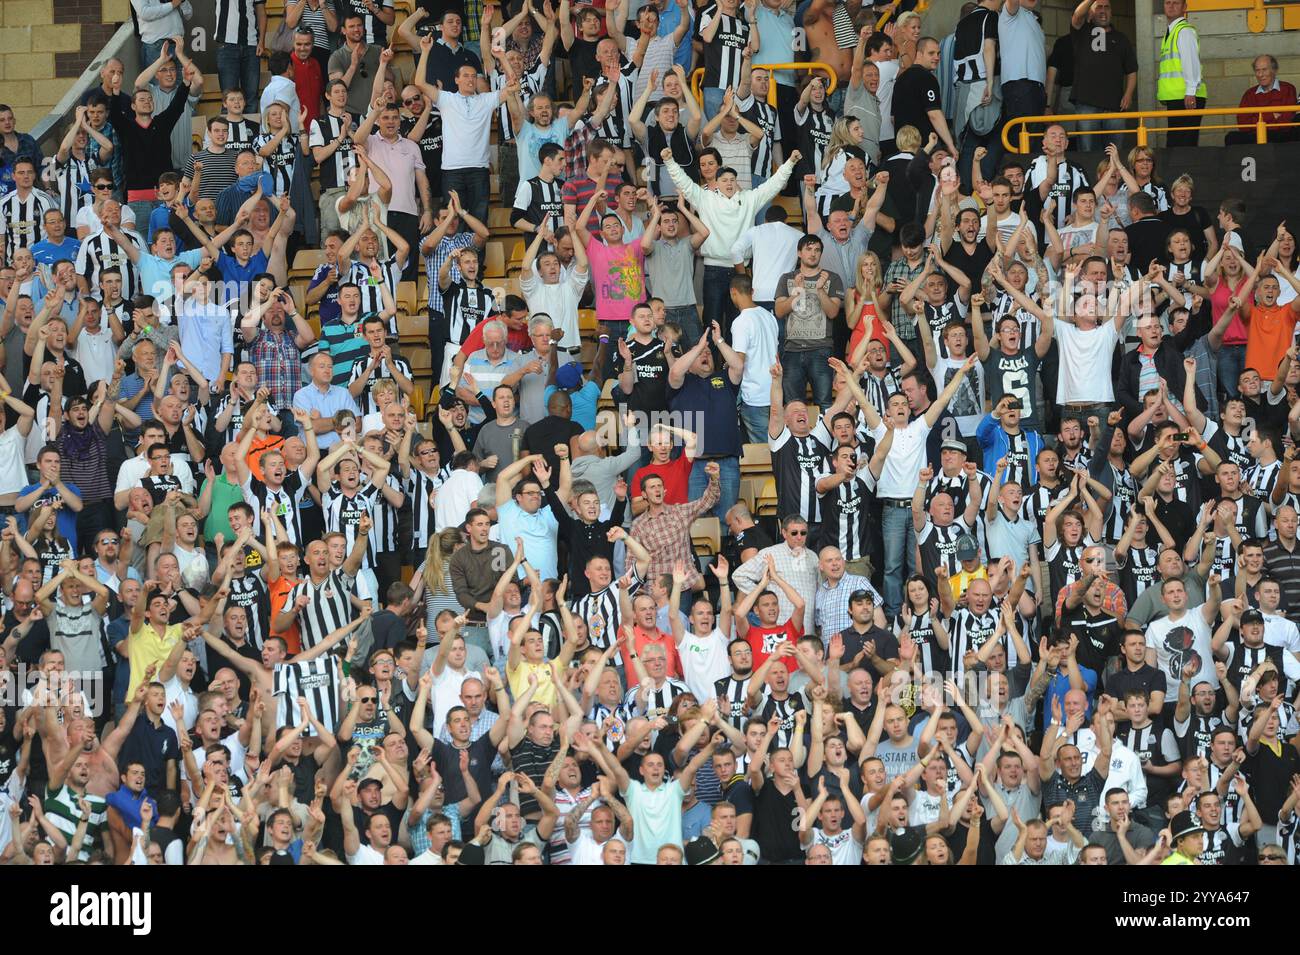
584, 400
232, 271
47, 253
67, 517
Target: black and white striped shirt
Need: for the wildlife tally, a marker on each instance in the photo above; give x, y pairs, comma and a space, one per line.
933, 657
765, 118
372, 298
67, 178
1262, 477
465, 306
539, 201
1030, 325
334, 170
376, 30
249, 592
381, 372
343, 514
242, 134
731, 696
814, 127
418, 486
657, 701
281, 162
968, 632
236, 425
797, 463
530, 84
845, 516
600, 611
878, 389
317, 681
22, 219
328, 607
616, 128
99, 252
236, 21
724, 56
284, 502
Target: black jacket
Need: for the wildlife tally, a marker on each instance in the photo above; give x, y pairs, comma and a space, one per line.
1169, 365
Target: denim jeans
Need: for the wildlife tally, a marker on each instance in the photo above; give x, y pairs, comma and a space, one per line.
728, 478
1019, 98
687, 318
712, 102
800, 367
1232, 362
1094, 144
900, 553
238, 68
473, 186
149, 52
755, 420
717, 297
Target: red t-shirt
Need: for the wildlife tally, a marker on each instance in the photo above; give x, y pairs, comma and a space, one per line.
763, 641
516, 340
676, 475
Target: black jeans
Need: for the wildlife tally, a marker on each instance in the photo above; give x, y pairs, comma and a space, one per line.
1188, 137
94, 517
408, 227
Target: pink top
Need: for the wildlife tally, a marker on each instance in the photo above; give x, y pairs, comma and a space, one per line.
618, 275
1236, 333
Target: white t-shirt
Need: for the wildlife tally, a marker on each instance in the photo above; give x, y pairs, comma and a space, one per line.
885, 96
1175, 642
704, 662
446, 693
87, 217
587, 851
1085, 363
13, 476
456, 496
905, 459
366, 855
754, 335
96, 353
176, 690
466, 128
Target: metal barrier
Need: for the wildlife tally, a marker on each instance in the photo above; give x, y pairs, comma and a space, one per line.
1143, 129
697, 77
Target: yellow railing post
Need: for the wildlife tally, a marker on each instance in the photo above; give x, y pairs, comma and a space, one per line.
1024, 137
1261, 130
832, 81
1142, 130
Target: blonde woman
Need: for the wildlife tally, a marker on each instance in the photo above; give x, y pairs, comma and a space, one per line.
1140, 176
846, 135
434, 577
1194, 219
862, 307
906, 33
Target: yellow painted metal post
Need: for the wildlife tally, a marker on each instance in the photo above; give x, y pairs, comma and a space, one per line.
1142, 130
1261, 130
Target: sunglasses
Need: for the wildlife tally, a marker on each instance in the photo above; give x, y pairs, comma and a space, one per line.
367, 699
410, 101
108, 540
99, 187
802, 533
1271, 857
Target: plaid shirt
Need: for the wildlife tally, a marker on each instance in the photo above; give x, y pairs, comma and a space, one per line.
667, 535
279, 364
904, 321
1113, 603
799, 570
486, 720
832, 604
575, 150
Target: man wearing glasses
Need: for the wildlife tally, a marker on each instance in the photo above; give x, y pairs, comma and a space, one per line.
795, 563
112, 560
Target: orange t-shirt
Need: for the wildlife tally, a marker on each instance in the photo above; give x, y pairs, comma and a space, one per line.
279, 590
641, 639
1269, 332
257, 449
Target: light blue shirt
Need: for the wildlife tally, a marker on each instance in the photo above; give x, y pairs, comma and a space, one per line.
156, 273
539, 531
1022, 49
531, 138
777, 32
206, 334
326, 404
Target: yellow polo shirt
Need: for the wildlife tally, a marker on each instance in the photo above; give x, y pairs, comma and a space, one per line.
145, 647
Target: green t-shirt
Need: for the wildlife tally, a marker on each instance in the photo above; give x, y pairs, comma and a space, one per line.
224, 493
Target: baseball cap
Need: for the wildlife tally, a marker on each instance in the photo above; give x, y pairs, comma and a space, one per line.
1252, 616
569, 376
967, 547
369, 782
861, 594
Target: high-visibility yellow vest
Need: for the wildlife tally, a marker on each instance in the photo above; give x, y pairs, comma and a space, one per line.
1170, 85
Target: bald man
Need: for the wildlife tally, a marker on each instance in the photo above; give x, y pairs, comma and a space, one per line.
590, 462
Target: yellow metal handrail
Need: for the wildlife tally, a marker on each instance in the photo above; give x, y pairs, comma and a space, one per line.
697, 77
1143, 130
